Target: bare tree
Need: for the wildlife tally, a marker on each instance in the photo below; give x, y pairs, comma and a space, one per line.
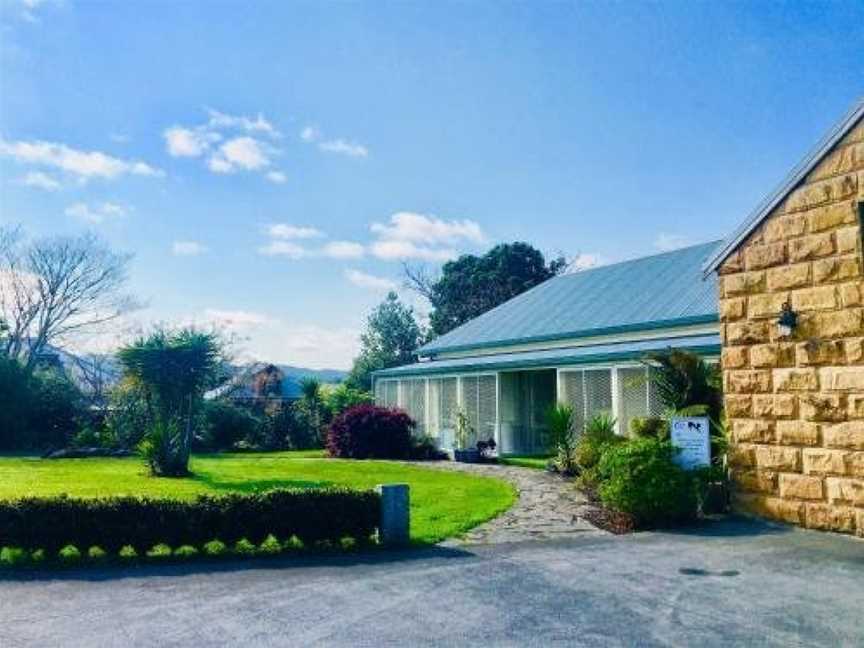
96, 374
419, 279
54, 288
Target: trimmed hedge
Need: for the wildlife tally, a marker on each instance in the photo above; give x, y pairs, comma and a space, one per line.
115, 522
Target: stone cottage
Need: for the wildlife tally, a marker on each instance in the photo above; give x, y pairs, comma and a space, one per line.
795, 389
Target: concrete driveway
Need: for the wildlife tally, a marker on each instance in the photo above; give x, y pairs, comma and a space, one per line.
731, 583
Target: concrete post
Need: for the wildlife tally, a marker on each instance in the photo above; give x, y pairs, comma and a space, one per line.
395, 516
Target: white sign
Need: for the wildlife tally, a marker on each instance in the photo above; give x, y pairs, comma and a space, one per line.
690, 436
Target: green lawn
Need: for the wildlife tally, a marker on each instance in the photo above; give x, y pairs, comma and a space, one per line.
443, 503
538, 462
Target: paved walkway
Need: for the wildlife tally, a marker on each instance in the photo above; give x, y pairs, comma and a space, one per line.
549, 508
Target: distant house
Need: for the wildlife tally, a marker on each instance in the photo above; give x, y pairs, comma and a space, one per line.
577, 338
258, 383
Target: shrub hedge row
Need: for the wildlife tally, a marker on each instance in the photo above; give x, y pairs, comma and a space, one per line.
112, 523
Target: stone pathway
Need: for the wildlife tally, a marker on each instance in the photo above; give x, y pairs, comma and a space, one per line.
548, 507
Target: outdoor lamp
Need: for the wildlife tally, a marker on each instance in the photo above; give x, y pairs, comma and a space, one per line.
787, 321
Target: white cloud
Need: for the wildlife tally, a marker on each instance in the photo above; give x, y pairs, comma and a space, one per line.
668, 242
39, 180
344, 147
84, 165
369, 281
585, 262
399, 250
343, 250
120, 138
185, 142
410, 226
310, 134
96, 213
283, 248
340, 146
285, 231
270, 339
219, 120
187, 248
277, 177
239, 153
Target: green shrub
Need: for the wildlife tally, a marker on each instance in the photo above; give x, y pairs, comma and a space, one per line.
38, 556
562, 447
159, 551
271, 546
599, 434
244, 548
641, 478
347, 544
127, 552
13, 556
649, 427
215, 548
185, 551
96, 553
69, 554
294, 544
225, 424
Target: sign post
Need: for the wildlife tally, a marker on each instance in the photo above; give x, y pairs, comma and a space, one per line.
691, 436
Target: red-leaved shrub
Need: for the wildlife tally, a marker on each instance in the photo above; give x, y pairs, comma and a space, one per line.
371, 432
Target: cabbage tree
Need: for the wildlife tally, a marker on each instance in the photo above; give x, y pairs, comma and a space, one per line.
173, 370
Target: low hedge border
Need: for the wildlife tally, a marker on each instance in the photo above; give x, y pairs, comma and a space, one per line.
112, 524
214, 550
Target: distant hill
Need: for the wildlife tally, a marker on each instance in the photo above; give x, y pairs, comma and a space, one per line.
324, 375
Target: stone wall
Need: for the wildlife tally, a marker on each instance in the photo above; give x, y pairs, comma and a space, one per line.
796, 405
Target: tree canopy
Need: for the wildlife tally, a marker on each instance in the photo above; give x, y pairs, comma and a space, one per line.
471, 285
391, 338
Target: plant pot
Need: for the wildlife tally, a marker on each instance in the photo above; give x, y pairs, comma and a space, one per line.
470, 455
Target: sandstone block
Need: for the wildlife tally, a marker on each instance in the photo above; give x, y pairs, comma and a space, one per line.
848, 240
778, 458
818, 461
745, 283
854, 350
832, 216
805, 487
753, 431
791, 276
775, 508
823, 407
845, 491
734, 358
819, 298
855, 464
772, 355
776, 406
734, 263
821, 352
757, 481
856, 406
793, 380
759, 257
822, 193
836, 269
748, 382
810, 247
733, 309
841, 323
739, 406
797, 433
843, 160
782, 228
842, 378
742, 455
830, 518
766, 305
748, 332
850, 295
848, 435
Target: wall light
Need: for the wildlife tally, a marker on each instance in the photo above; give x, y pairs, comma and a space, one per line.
787, 321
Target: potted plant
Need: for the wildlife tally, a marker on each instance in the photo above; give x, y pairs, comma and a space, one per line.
464, 431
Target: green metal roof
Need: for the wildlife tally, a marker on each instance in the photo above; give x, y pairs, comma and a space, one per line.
590, 354
652, 292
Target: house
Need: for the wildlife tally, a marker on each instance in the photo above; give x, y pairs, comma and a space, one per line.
577, 338
258, 384
795, 393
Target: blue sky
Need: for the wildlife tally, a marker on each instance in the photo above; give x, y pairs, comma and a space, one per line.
269, 164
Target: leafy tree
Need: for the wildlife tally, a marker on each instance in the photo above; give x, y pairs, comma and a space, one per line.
173, 370
391, 338
342, 397
471, 285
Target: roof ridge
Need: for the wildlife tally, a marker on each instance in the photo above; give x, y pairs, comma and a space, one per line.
715, 242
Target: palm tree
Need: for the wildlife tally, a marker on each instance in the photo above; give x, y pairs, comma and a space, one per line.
173, 369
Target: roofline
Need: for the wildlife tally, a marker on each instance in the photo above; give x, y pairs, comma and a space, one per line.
795, 177
708, 318
704, 349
